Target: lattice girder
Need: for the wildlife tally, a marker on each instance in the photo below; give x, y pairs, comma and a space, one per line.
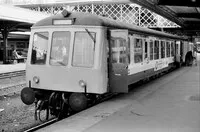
125, 12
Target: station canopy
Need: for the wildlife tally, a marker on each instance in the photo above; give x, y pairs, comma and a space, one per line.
15, 19
18, 19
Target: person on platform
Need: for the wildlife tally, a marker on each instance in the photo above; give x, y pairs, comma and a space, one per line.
189, 58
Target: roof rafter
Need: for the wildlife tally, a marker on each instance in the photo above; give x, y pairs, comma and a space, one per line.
191, 3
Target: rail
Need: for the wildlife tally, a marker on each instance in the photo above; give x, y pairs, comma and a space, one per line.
41, 125
12, 74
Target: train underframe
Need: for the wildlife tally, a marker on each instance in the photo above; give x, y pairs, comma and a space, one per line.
60, 104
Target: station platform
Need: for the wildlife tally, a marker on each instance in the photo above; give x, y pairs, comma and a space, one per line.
12, 67
170, 103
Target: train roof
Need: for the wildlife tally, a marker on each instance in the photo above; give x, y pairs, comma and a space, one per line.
89, 19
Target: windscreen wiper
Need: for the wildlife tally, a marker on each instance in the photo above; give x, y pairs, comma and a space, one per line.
90, 35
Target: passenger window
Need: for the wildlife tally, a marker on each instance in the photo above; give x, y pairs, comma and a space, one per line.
84, 49
146, 49
162, 49
60, 48
138, 51
151, 50
39, 49
168, 49
156, 49
172, 49
119, 54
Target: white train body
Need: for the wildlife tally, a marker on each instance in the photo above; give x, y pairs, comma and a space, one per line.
85, 53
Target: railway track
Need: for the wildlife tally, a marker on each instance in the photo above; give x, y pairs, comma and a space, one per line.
41, 125
12, 74
106, 97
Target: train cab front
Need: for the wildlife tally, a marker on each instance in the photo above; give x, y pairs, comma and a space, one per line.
66, 64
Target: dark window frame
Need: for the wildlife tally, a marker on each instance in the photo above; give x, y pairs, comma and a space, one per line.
35, 50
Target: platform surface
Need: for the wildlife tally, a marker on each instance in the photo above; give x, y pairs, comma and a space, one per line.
168, 104
12, 67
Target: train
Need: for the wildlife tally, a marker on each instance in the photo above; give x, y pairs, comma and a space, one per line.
76, 58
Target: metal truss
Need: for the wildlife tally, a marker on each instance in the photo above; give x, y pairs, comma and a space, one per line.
125, 12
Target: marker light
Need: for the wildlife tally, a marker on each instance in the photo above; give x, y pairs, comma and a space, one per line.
36, 79
82, 83
65, 13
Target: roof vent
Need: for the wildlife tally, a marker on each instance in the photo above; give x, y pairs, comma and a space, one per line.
65, 13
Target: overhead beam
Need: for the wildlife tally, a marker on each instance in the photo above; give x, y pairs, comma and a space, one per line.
195, 23
191, 3
189, 15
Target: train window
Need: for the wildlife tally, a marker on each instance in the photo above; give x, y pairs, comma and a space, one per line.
138, 51
146, 49
84, 47
39, 49
151, 49
60, 48
172, 49
129, 51
119, 54
168, 49
162, 49
156, 49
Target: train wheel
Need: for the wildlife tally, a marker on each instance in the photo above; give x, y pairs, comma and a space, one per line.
78, 101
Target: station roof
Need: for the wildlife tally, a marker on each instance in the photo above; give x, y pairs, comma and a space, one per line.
12, 13
185, 13
88, 19
18, 19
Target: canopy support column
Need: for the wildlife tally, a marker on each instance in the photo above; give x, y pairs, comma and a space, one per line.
5, 33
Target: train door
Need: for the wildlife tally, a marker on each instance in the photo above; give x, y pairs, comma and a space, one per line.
177, 52
118, 61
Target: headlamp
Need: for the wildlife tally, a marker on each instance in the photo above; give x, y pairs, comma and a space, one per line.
36, 79
82, 83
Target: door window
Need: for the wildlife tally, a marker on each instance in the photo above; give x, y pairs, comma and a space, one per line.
119, 54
